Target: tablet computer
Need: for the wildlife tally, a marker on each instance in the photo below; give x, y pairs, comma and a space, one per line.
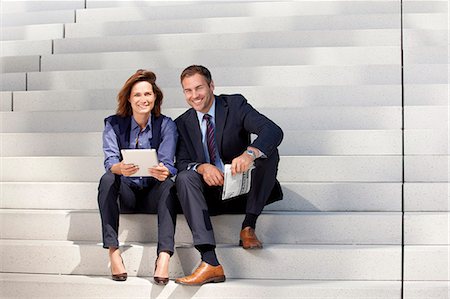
143, 158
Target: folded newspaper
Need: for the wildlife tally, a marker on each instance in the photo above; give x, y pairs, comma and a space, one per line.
238, 184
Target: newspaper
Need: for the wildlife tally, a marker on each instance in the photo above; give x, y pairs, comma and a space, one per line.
238, 184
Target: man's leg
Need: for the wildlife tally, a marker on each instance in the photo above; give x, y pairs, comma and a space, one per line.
263, 181
190, 188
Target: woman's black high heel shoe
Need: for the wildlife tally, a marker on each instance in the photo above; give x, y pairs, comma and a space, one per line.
159, 280
120, 276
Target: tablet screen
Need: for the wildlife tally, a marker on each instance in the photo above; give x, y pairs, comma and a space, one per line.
143, 158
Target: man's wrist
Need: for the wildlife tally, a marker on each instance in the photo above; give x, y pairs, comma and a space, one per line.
251, 153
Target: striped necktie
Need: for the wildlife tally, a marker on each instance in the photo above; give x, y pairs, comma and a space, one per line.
210, 141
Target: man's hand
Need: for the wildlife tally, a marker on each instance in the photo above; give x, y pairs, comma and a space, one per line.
159, 172
211, 174
241, 163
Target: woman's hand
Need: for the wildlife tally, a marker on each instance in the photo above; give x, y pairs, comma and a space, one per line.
124, 169
160, 172
128, 169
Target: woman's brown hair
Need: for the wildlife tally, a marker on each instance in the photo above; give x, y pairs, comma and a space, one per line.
124, 106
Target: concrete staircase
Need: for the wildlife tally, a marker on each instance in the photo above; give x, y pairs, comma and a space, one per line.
364, 164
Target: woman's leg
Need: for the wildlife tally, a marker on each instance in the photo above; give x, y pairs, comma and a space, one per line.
167, 216
108, 192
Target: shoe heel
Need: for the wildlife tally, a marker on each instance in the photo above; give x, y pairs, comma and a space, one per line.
219, 279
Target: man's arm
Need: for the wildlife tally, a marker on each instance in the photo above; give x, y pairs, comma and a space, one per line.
269, 135
183, 159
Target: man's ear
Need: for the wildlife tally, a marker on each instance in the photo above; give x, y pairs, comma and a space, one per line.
211, 85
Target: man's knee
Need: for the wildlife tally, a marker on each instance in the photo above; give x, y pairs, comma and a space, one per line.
187, 178
267, 166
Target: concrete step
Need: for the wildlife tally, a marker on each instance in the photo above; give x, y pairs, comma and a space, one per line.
312, 228
291, 169
259, 9
430, 117
6, 103
223, 58
32, 32
38, 17
422, 168
26, 47
296, 142
425, 37
77, 286
426, 197
312, 118
312, 197
151, 3
258, 96
13, 81
426, 95
436, 20
279, 76
46, 5
426, 73
20, 64
324, 262
438, 6
211, 41
426, 289
427, 228
425, 55
426, 262
235, 24
426, 142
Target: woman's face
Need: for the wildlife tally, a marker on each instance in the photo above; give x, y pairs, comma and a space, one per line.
142, 98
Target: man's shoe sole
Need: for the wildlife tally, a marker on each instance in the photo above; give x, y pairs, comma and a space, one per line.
209, 280
249, 247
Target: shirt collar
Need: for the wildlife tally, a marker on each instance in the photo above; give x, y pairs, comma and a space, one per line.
134, 124
212, 112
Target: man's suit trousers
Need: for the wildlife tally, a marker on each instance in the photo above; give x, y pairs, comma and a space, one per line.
199, 201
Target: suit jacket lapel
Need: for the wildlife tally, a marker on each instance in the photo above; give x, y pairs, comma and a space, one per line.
193, 130
221, 116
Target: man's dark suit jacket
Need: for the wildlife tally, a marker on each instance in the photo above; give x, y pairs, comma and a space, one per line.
235, 120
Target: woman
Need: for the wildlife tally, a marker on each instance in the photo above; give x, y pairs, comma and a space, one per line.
138, 123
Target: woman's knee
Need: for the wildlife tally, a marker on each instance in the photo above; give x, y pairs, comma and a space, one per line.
108, 178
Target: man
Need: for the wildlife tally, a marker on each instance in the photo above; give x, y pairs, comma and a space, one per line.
216, 131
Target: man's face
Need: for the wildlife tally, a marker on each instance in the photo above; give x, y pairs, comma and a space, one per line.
199, 95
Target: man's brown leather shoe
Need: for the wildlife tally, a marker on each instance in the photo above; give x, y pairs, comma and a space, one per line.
203, 274
248, 239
